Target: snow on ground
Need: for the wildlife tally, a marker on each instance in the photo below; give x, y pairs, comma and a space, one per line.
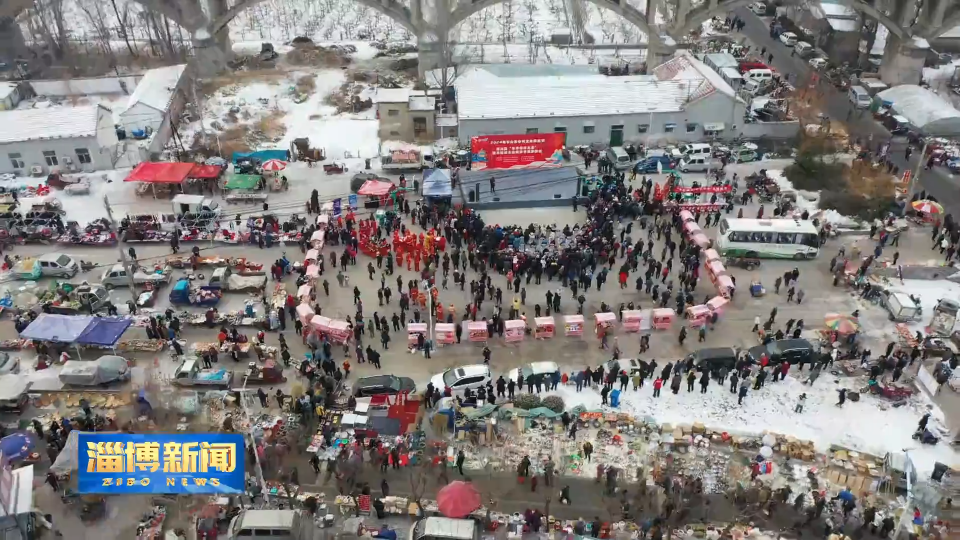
870, 425
807, 200
84, 208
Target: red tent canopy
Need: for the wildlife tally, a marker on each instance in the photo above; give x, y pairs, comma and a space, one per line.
161, 172
205, 171
376, 188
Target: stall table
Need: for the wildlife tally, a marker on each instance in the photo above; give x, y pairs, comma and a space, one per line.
446, 333
413, 330
477, 331
605, 320
631, 319
697, 315
663, 318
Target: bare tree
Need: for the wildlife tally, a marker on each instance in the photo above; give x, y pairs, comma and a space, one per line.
45, 20
123, 20
94, 11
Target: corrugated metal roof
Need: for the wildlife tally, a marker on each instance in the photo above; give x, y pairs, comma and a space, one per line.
48, 123
927, 111
685, 67
560, 96
157, 87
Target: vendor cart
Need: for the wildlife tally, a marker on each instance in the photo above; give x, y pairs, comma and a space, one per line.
545, 327
269, 373
573, 325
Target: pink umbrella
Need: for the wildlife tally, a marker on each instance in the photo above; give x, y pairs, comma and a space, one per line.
274, 165
458, 499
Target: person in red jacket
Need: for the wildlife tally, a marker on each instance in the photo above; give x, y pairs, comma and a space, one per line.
784, 369
657, 385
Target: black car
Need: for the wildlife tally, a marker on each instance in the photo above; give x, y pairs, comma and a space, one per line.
383, 385
795, 351
714, 358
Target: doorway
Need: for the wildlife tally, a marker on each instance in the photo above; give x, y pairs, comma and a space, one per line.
616, 135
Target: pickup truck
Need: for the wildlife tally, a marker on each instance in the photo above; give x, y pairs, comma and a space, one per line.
75, 299
183, 293
227, 280
116, 276
189, 374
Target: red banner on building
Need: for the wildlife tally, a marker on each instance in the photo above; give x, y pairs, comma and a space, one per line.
517, 151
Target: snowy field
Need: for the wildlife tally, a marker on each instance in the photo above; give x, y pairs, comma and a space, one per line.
870, 425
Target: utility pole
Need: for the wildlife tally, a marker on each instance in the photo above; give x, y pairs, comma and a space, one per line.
130, 269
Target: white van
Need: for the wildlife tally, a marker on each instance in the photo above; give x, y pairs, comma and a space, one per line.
694, 150
619, 158
58, 265
802, 48
759, 75
859, 96
698, 164
273, 524
441, 528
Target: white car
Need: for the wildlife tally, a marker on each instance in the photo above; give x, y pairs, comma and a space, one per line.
818, 63
788, 38
758, 8
533, 368
460, 378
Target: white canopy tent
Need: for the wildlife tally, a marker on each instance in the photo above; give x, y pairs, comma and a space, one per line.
931, 114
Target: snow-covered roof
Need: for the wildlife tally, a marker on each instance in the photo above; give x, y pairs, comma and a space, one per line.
722, 60
561, 96
831, 9
49, 123
928, 112
392, 95
952, 33
685, 67
422, 103
7, 88
157, 87
843, 24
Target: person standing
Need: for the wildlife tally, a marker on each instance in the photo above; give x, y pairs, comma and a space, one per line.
743, 393
657, 385
587, 450
843, 397
461, 457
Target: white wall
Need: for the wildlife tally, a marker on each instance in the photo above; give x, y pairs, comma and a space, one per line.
141, 116
85, 87
717, 108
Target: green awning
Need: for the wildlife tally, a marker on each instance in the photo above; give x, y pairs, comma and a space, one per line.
242, 181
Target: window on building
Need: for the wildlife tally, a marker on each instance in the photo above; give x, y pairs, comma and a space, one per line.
419, 126
393, 112
643, 128
17, 160
533, 130
394, 133
668, 128
560, 129
83, 155
51, 158
691, 127
589, 129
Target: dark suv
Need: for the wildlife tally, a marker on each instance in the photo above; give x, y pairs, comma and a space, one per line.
795, 351
383, 384
714, 358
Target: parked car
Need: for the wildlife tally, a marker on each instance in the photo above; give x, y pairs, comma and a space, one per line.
630, 365
803, 49
116, 276
379, 385
102, 371
795, 351
9, 364
533, 368
758, 8
463, 377
788, 38
817, 62
58, 265
954, 165
715, 358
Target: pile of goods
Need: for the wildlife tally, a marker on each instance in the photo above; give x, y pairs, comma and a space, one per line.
141, 345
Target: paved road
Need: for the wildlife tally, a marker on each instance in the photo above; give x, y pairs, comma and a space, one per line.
938, 182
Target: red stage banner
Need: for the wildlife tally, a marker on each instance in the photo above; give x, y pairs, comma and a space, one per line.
704, 189
517, 151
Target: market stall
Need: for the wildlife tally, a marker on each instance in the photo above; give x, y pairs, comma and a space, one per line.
725, 286
245, 188
697, 315
339, 331
686, 216
413, 331
316, 240
690, 228
605, 321
514, 330
312, 256
717, 304
711, 255
305, 313
303, 293
631, 319
545, 327
663, 318
445, 333
573, 325
477, 331
701, 240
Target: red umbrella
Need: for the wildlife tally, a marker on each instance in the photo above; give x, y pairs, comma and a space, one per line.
457, 499
274, 165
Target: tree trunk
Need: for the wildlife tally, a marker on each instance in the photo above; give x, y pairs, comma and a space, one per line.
122, 21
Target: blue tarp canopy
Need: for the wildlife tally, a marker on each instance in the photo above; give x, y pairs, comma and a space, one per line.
261, 155
57, 328
104, 332
436, 183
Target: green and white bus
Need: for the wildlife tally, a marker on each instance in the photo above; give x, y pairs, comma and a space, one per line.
768, 238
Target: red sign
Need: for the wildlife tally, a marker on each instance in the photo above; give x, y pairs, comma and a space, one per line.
702, 207
517, 151
704, 189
